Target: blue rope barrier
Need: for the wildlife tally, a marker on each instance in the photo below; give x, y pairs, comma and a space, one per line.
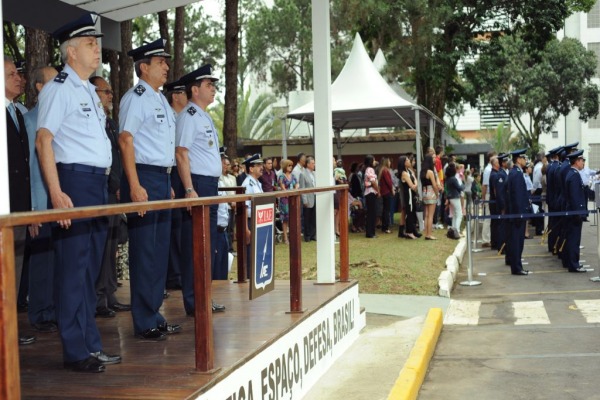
531, 215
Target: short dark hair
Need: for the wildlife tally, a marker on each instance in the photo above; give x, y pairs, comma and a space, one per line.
137, 65
438, 150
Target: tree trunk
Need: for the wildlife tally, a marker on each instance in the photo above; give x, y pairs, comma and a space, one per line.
163, 27
113, 61
36, 43
231, 71
178, 39
125, 62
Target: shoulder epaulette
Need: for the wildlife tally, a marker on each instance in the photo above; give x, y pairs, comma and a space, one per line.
192, 110
139, 90
61, 77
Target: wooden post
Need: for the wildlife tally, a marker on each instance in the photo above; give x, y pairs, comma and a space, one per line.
205, 352
240, 228
295, 204
344, 249
10, 385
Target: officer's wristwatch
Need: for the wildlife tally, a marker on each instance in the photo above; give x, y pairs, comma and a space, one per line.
189, 190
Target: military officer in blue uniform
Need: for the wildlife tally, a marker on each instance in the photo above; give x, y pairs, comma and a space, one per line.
517, 202
199, 166
497, 182
551, 196
254, 166
492, 205
147, 142
560, 177
575, 200
75, 158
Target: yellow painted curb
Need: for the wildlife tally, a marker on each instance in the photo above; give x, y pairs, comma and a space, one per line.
413, 373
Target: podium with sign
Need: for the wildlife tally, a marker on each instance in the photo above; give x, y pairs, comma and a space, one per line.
262, 274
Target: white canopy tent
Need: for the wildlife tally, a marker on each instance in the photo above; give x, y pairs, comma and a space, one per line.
361, 98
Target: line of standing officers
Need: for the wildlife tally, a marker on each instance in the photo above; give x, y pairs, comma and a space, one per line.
565, 192
75, 156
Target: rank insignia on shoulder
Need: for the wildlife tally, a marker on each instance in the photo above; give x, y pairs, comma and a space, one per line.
192, 111
139, 90
61, 77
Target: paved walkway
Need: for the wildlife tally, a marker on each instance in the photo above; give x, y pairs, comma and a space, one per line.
521, 337
369, 368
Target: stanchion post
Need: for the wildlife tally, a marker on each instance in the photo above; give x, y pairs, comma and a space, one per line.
476, 250
597, 278
470, 281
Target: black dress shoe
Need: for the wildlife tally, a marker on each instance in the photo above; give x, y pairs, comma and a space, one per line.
25, 340
216, 307
105, 312
90, 364
169, 329
521, 272
152, 334
106, 359
45, 327
119, 307
580, 269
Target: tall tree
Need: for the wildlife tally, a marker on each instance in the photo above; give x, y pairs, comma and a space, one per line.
231, 72
178, 42
125, 63
37, 43
13, 41
163, 28
538, 85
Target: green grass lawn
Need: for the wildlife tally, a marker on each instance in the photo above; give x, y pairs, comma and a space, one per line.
385, 265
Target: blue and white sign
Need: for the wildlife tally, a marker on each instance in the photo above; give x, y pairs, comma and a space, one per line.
262, 245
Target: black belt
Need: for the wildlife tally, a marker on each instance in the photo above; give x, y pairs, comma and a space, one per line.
214, 179
84, 168
153, 168
221, 229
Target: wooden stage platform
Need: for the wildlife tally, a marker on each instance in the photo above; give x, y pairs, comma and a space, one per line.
259, 348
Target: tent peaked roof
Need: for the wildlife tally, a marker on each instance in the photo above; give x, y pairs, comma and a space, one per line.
361, 98
380, 63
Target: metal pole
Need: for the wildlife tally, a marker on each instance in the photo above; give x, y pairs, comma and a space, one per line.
284, 138
476, 250
597, 278
470, 282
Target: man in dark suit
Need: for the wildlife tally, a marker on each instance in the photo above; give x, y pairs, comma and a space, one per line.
106, 284
551, 195
18, 168
308, 180
497, 191
560, 178
575, 200
517, 202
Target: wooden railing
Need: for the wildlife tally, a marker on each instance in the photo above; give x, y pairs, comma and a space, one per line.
9, 348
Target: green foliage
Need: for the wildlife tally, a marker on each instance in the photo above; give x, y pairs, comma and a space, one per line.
254, 117
500, 138
541, 84
278, 46
424, 40
204, 40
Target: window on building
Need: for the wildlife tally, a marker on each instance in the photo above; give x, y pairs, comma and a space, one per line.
595, 47
593, 158
593, 17
554, 134
594, 123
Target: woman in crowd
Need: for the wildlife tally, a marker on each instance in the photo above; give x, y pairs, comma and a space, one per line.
409, 195
355, 186
286, 182
430, 193
235, 168
468, 193
454, 188
371, 194
386, 191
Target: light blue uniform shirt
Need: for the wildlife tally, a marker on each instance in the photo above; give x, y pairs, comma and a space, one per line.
39, 194
252, 187
223, 210
146, 114
196, 132
72, 111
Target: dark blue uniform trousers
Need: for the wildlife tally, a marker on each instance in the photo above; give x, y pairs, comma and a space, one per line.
220, 265
78, 255
41, 277
174, 271
516, 241
570, 254
149, 238
205, 186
